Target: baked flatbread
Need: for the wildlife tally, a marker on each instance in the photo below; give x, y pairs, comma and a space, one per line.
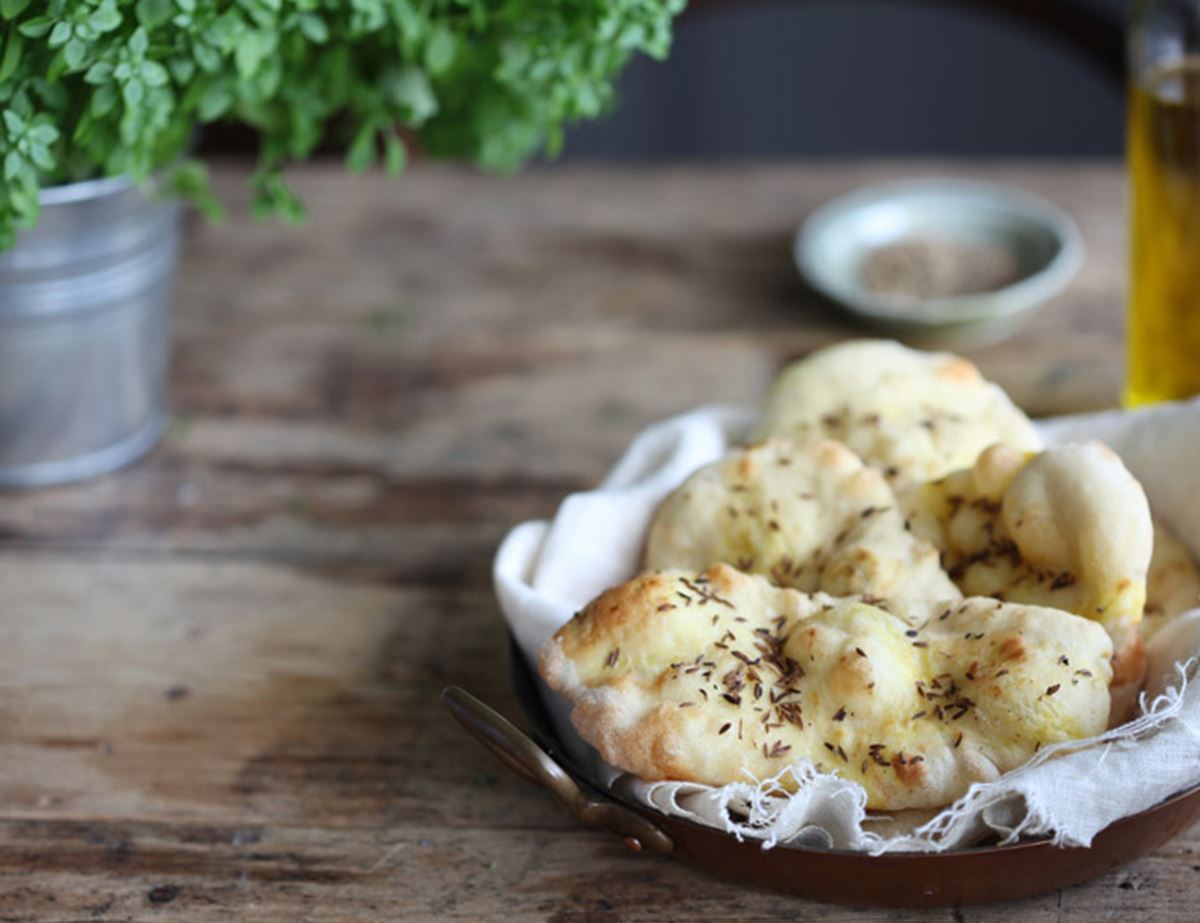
1068, 528
1172, 584
915, 415
720, 676
807, 515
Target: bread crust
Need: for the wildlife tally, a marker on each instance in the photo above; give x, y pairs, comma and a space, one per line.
1172, 583
914, 415
808, 515
719, 676
1068, 527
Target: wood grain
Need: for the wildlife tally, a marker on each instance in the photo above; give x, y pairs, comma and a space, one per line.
219, 669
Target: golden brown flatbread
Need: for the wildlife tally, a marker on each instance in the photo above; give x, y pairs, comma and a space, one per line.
914, 415
719, 676
807, 515
1067, 528
1172, 584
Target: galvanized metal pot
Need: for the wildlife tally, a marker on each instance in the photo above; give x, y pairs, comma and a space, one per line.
85, 308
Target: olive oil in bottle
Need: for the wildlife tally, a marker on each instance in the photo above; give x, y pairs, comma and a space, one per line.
1164, 234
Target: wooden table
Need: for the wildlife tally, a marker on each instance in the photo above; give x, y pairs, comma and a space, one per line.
220, 668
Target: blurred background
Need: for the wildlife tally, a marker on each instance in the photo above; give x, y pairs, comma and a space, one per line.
780, 79
830, 78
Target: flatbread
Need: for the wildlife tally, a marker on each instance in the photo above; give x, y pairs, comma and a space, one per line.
1068, 528
719, 676
808, 515
1172, 584
914, 415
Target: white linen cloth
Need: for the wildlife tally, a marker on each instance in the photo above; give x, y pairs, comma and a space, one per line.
546, 571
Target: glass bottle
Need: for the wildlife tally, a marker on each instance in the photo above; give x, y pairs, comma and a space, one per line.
1163, 330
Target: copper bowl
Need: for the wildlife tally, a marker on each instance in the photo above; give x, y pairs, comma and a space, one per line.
962, 876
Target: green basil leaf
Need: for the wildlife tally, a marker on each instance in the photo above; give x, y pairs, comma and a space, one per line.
11, 57
74, 53
207, 58
25, 196
58, 67
153, 13
13, 122
361, 154
440, 52
44, 133
182, 69
154, 74
139, 41
104, 100
106, 18
190, 181
11, 9
412, 94
215, 102
251, 49
314, 28
41, 158
59, 34
128, 81
99, 73
394, 154
13, 165
36, 27
133, 93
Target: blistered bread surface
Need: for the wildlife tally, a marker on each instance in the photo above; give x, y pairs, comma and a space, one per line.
720, 676
809, 515
1067, 528
915, 415
1172, 584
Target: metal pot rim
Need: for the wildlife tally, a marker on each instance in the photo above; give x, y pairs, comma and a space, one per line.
88, 189
972, 875
529, 698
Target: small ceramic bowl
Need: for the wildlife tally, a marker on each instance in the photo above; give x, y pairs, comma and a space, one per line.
1044, 244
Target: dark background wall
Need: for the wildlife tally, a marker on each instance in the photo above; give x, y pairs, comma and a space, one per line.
829, 78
